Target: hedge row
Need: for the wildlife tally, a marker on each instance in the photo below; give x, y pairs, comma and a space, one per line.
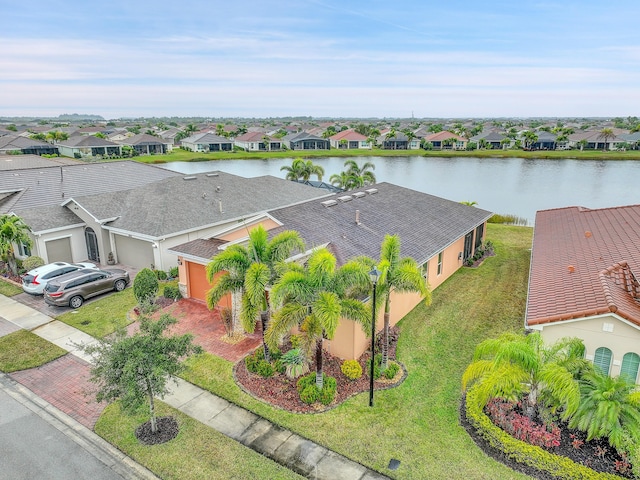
522, 452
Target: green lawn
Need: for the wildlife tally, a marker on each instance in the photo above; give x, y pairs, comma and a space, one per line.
8, 289
22, 349
416, 423
198, 452
104, 316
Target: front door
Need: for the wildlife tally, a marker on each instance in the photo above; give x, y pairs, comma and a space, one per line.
92, 244
468, 245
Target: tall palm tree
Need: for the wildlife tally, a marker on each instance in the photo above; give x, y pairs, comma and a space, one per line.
606, 134
372, 136
253, 269
342, 180
190, 129
13, 230
530, 138
399, 274
512, 366
610, 407
314, 298
56, 136
302, 170
363, 175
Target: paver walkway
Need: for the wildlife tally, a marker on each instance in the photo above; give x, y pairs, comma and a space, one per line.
66, 378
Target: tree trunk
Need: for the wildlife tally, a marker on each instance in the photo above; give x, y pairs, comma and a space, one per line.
236, 324
152, 409
532, 400
13, 265
385, 335
264, 318
319, 380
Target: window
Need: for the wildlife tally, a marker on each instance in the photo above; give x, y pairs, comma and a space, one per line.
440, 257
630, 364
602, 359
24, 250
425, 270
479, 234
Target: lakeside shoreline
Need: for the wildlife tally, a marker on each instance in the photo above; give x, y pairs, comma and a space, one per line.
178, 155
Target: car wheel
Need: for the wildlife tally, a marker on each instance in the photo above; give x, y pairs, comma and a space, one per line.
120, 285
76, 302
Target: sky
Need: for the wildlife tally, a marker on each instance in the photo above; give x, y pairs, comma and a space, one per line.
320, 58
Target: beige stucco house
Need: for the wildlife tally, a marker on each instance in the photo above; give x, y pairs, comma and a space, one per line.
583, 283
439, 234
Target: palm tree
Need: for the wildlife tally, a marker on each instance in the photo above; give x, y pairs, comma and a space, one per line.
410, 136
56, 136
12, 230
468, 203
530, 138
342, 180
610, 407
302, 170
363, 175
391, 134
513, 365
606, 134
190, 129
398, 274
253, 269
373, 135
314, 298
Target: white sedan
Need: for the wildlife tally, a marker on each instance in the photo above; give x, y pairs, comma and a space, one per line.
35, 280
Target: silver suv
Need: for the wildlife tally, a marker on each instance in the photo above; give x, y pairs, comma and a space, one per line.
74, 288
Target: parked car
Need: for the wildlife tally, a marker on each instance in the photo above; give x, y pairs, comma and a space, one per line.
35, 280
74, 288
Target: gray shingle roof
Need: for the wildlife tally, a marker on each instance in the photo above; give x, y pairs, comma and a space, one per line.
18, 162
190, 202
86, 141
206, 137
425, 223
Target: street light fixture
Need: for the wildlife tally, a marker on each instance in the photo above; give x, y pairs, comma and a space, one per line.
373, 276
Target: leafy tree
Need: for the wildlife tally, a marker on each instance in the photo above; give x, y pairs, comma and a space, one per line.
314, 298
137, 368
100, 135
135, 129
190, 129
469, 203
530, 138
39, 136
512, 366
436, 127
56, 136
267, 142
582, 144
398, 274
12, 128
249, 271
372, 136
302, 170
13, 230
609, 407
330, 131
145, 286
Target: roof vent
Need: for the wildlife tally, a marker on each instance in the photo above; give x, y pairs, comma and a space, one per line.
345, 198
371, 191
212, 174
358, 194
329, 203
189, 178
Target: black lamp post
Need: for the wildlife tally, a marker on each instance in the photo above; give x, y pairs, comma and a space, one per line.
373, 275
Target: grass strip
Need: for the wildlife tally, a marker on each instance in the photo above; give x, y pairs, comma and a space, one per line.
22, 349
8, 289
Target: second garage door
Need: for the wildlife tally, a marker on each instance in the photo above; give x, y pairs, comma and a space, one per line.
133, 252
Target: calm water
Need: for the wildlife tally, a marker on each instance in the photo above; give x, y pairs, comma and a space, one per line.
509, 186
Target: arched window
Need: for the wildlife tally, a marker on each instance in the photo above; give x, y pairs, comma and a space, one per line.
602, 359
630, 364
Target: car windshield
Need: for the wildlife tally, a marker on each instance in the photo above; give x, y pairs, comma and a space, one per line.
52, 287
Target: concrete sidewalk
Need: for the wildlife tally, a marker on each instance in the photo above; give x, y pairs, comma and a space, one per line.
283, 446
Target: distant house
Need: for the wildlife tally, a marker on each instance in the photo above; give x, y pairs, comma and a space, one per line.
349, 139
492, 140
439, 234
257, 142
145, 144
207, 142
399, 141
25, 145
170, 134
81, 146
305, 141
446, 140
585, 266
546, 141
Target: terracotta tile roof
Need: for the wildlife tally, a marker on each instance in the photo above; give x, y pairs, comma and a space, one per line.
348, 135
440, 136
583, 263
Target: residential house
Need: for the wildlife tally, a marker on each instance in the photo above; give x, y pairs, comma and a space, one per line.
170, 134
546, 141
25, 145
145, 144
349, 139
439, 234
305, 141
207, 142
584, 283
492, 140
399, 141
257, 142
446, 140
81, 146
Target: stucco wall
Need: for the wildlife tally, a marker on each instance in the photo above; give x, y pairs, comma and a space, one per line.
623, 339
78, 245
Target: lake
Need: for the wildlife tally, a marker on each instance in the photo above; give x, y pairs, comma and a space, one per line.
513, 186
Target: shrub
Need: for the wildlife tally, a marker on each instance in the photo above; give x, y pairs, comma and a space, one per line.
523, 428
351, 369
279, 366
391, 370
309, 394
252, 360
328, 392
172, 292
32, 262
160, 274
295, 341
264, 369
145, 286
377, 372
295, 363
173, 272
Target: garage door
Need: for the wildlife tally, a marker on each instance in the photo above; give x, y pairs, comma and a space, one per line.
59, 250
199, 286
133, 252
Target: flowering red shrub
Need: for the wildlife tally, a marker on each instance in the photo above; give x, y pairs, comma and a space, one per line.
521, 427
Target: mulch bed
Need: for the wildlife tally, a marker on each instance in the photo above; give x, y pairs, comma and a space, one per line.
280, 391
167, 430
586, 453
